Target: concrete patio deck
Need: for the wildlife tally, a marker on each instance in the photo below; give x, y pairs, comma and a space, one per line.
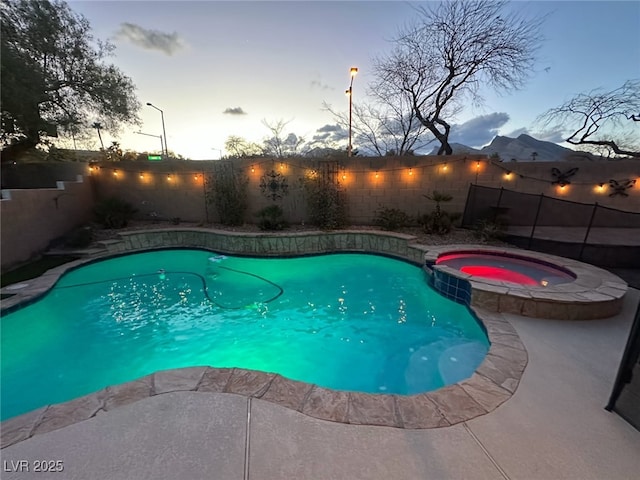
554, 427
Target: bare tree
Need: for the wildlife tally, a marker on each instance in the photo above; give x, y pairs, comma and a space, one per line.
281, 144
239, 147
389, 127
603, 121
455, 47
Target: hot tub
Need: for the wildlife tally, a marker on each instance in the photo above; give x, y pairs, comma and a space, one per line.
524, 282
507, 268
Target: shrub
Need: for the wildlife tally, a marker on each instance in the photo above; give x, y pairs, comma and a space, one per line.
391, 219
438, 222
113, 212
487, 230
227, 190
326, 203
271, 218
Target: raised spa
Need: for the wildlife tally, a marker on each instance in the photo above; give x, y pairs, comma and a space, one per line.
528, 283
507, 268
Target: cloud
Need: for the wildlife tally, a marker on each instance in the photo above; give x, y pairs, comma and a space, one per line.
234, 111
554, 136
320, 85
328, 135
478, 131
330, 128
318, 82
517, 132
167, 43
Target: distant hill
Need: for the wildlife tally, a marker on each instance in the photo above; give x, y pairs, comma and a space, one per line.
522, 148
458, 149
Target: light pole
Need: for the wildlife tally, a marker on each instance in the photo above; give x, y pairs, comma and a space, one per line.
157, 136
164, 132
349, 93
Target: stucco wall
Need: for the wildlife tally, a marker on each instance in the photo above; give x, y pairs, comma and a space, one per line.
32, 218
175, 189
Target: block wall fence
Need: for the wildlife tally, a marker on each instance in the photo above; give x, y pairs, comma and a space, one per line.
32, 218
176, 189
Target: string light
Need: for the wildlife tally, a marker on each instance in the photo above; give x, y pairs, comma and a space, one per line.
595, 187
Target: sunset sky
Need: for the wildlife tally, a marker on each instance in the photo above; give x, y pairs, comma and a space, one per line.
219, 68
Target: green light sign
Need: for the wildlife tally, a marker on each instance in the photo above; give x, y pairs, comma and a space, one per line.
154, 158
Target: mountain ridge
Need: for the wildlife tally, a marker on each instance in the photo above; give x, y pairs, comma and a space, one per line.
524, 148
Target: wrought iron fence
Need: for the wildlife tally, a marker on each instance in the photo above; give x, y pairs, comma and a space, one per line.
625, 396
562, 227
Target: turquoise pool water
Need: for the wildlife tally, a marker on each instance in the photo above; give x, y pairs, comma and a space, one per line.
344, 321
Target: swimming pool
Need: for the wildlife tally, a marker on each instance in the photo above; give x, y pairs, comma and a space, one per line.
354, 322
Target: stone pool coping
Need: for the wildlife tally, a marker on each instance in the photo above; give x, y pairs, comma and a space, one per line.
595, 293
493, 382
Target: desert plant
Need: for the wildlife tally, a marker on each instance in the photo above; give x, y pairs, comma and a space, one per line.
391, 219
113, 212
438, 221
326, 203
271, 218
487, 230
227, 190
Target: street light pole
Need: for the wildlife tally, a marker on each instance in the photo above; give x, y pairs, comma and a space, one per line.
164, 132
349, 92
157, 136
